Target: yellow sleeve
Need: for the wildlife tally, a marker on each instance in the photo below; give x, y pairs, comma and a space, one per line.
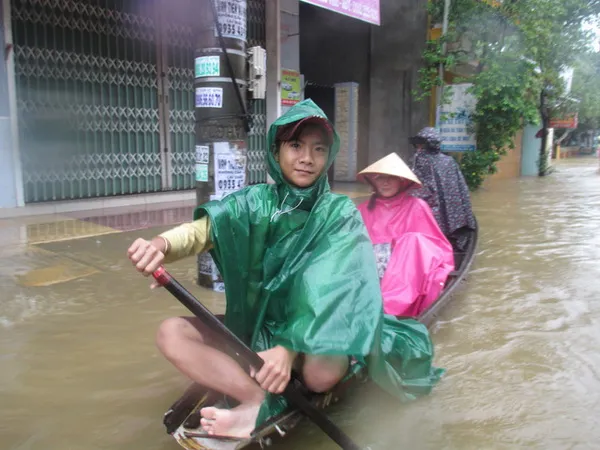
188, 239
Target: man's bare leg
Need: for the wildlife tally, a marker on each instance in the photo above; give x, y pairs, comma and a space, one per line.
322, 373
185, 343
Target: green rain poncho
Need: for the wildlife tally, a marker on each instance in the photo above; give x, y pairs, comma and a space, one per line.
300, 272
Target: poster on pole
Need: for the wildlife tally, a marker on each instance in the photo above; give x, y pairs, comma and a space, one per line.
207, 66
230, 176
202, 172
230, 167
209, 97
232, 18
205, 263
202, 154
207, 266
455, 120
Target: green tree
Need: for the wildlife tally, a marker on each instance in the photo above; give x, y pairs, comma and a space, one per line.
513, 52
552, 34
585, 95
586, 89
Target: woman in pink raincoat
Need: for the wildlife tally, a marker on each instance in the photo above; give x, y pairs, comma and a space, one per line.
414, 257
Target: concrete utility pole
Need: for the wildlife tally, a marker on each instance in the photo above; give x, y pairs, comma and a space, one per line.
220, 102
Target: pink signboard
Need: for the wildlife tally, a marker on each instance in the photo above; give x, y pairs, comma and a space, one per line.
367, 10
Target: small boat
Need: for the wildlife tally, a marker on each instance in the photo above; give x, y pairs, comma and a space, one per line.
182, 420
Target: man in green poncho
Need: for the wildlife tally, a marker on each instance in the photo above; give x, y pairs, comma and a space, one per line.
301, 285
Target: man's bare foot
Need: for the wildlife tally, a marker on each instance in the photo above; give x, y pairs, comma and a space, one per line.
237, 422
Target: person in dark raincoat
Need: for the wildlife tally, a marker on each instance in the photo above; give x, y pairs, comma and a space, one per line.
444, 187
301, 286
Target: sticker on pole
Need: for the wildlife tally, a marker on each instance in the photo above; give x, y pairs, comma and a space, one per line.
207, 266
230, 167
202, 172
232, 18
209, 97
207, 66
205, 263
202, 152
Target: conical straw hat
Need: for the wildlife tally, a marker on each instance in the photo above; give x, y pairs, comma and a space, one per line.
393, 165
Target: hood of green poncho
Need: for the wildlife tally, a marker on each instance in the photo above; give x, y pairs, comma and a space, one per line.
299, 111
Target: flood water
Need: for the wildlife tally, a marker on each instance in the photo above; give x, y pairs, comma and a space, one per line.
79, 370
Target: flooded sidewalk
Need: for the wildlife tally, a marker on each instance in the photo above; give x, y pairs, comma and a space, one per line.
79, 369
49, 250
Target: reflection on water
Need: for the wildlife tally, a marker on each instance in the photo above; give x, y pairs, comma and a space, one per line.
78, 367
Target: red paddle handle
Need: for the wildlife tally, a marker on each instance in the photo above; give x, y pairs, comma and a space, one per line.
161, 276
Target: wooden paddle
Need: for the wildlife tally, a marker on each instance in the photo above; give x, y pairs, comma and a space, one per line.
215, 325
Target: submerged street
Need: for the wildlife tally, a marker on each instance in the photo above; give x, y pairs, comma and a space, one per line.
79, 369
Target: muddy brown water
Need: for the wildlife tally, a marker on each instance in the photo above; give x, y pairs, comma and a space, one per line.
79, 370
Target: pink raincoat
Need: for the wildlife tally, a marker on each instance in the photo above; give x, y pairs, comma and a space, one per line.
420, 256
